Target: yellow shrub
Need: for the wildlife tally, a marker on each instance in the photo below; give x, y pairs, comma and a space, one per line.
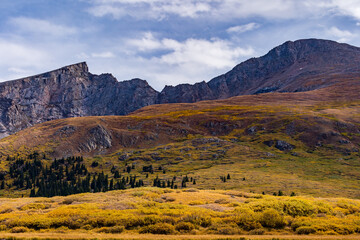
19, 230
272, 219
33, 206
159, 228
247, 220
198, 219
305, 230
115, 229
184, 227
297, 207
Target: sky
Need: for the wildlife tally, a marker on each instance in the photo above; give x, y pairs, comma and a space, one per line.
166, 42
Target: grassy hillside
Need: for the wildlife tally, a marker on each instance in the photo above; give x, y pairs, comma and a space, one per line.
303, 143
179, 212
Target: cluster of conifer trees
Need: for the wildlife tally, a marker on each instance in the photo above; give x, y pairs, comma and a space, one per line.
171, 184
63, 177
70, 175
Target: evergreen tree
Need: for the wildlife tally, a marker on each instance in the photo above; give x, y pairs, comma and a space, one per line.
32, 193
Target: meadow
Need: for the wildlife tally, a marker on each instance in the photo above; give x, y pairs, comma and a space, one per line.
184, 214
241, 168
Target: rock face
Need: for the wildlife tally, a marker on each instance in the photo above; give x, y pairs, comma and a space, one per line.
302, 65
72, 91
68, 92
99, 138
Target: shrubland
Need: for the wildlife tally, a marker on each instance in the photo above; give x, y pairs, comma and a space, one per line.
144, 211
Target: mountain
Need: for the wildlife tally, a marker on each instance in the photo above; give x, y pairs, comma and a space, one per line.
295, 127
72, 91
297, 66
303, 142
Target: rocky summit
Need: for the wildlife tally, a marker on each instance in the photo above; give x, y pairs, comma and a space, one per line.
72, 91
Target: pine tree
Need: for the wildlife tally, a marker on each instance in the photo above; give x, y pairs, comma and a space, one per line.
32, 193
111, 187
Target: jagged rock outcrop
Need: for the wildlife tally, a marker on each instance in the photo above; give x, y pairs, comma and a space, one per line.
298, 66
99, 138
72, 91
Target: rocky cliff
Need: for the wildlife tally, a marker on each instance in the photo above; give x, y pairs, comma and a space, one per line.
297, 66
72, 91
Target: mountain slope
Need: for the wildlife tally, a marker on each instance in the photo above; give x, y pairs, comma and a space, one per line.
306, 142
68, 92
164, 123
72, 91
302, 65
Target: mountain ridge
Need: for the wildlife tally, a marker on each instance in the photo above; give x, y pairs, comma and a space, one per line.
72, 91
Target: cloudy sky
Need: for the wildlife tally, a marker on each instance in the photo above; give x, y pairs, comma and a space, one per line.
166, 42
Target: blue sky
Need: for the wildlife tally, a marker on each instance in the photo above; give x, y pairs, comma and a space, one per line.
166, 42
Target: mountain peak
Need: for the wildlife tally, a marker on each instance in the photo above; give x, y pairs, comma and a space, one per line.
71, 91
313, 46
77, 69
81, 66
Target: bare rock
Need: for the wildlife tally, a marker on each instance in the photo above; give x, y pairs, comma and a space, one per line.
99, 139
284, 146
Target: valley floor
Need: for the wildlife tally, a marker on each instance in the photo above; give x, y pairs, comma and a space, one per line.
160, 213
71, 236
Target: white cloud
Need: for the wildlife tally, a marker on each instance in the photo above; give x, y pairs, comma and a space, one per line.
243, 28
103, 55
107, 9
17, 70
166, 61
184, 9
225, 9
146, 43
346, 7
220, 9
342, 35
156, 9
39, 26
275, 9
20, 55
215, 53
20, 60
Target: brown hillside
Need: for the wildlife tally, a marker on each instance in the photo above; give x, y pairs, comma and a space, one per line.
313, 116
305, 142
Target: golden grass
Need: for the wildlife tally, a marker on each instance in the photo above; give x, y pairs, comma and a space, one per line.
213, 215
77, 235
320, 164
